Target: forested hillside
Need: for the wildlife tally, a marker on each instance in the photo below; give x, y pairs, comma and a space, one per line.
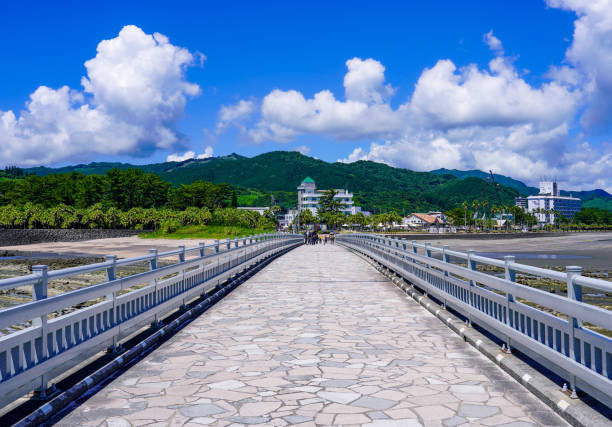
377, 187
599, 197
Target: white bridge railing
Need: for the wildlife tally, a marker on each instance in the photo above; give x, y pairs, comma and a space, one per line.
47, 347
579, 355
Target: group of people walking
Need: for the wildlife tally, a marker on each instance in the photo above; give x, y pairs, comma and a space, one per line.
313, 238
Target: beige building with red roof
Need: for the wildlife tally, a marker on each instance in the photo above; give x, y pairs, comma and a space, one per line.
421, 220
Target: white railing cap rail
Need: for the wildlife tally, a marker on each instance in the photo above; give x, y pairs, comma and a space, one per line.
30, 279
599, 284
593, 314
15, 282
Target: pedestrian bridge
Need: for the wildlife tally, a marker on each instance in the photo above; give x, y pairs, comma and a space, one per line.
317, 337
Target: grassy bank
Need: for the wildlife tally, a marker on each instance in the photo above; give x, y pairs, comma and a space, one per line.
206, 232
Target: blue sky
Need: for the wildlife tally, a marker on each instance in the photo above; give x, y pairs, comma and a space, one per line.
276, 56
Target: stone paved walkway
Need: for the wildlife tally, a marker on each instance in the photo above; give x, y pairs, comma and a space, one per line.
317, 338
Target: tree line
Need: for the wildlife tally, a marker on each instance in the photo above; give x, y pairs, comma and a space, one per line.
168, 220
128, 199
123, 189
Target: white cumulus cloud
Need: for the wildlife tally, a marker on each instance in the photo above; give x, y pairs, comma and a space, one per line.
234, 114
176, 157
469, 117
493, 42
133, 95
208, 152
365, 81
445, 96
591, 55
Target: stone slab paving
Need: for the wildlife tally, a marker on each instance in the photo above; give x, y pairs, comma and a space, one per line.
317, 338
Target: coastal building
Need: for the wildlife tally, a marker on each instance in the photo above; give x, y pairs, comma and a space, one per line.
357, 209
285, 221
549, 203
440, 215
521, 202
309, 197
422, 221
259, 209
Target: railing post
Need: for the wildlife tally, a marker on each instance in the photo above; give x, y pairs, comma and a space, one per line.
472, 266
39, 291
414, 249
445, 259
111, 274
509, 274
202, 250
428, 251
216, 246
153, 266
228, 244
574, 292
236, 242
153, 261
181, 259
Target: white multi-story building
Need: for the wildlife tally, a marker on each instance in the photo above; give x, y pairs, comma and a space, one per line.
259, 209
549, 200
285, 221
309, 197
521, 202
357, 209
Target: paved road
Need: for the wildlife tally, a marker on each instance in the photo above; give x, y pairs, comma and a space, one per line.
318, 337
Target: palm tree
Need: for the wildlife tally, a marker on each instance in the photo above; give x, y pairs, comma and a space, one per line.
475, 205
465, 206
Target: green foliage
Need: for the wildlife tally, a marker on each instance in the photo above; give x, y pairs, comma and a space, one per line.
306, 217
591, 216
377, 187
170, 226
328, 202
207, 232
600, 203
134, 188
243, 218
523, 189
123, 189
201, 194
96, 216
457, 216
12, 172
333, 219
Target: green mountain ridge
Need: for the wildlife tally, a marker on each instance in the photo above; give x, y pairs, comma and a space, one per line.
522, 188
377, 187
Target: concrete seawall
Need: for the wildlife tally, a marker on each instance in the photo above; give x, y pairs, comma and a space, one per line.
12, 237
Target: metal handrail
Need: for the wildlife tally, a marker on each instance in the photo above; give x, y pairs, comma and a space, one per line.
31, 357
580, 355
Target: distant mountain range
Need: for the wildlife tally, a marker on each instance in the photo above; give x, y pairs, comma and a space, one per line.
522, 188
377, 187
